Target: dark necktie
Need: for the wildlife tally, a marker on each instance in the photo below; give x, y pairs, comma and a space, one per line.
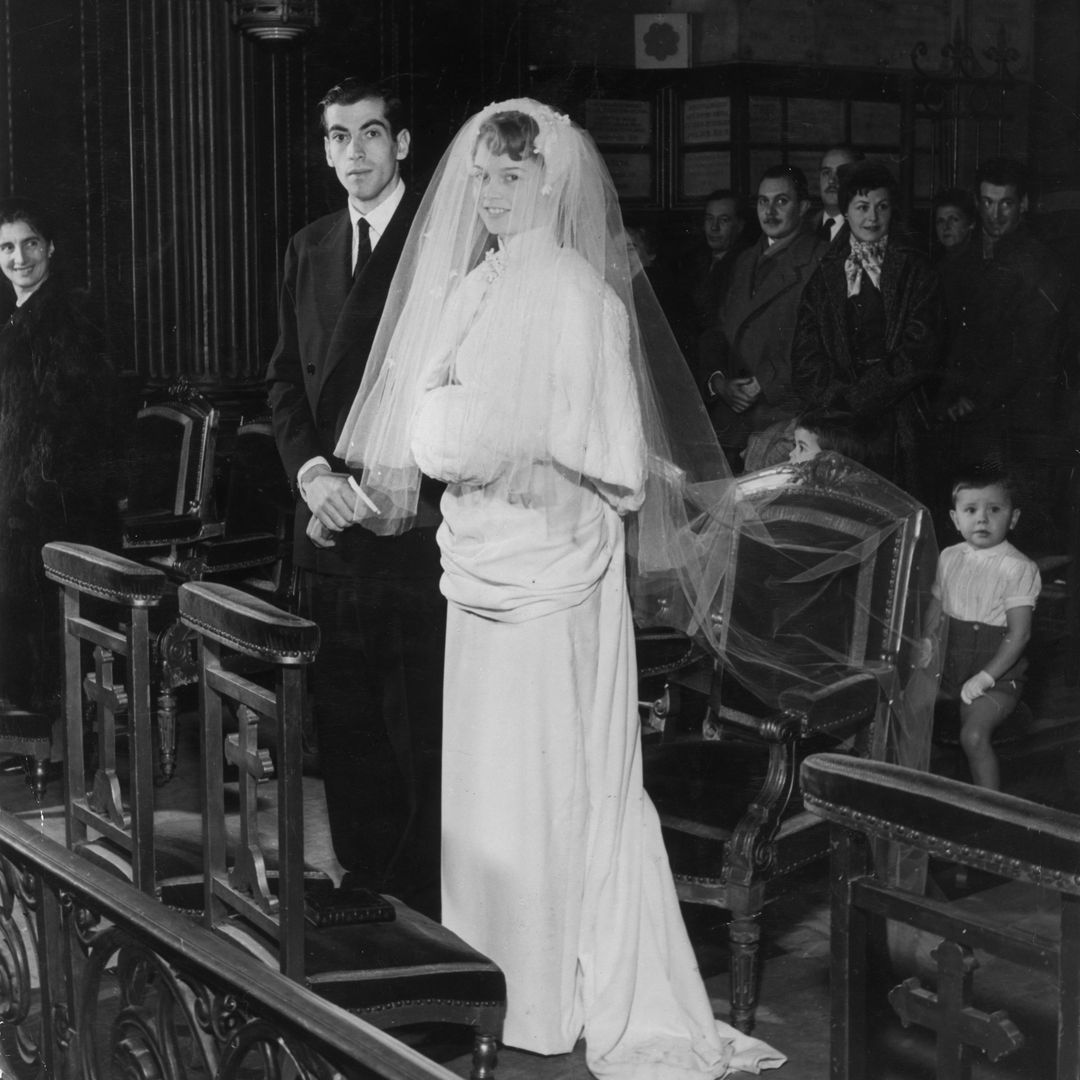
363, 245
825, 229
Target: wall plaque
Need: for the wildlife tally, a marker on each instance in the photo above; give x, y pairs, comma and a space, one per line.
704, 171
619, 122
706, 120
632, 175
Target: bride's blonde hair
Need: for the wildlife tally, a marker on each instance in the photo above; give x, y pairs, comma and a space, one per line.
510, 133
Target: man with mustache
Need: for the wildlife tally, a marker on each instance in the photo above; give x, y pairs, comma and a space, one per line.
748, 354
831, 219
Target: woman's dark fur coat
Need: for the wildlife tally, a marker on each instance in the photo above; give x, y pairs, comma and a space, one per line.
888, 396
57, 470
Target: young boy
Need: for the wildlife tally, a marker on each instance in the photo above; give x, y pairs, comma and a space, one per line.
987, 590
820, 429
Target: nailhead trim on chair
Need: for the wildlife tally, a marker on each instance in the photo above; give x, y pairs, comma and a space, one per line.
692, 653
304, 655
139, 585
273, 634
408, 1003
946, 849
136, 599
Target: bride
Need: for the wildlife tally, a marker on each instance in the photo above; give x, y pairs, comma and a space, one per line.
514, 363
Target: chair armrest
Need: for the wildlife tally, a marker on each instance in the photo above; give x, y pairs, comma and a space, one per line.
162, 530
998, 833
838, 708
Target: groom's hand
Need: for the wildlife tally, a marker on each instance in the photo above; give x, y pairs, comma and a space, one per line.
317, 534
328, 497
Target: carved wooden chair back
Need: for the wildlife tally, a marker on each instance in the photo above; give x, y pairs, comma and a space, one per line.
170, 501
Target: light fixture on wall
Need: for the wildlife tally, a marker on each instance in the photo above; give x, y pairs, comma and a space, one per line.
275, 21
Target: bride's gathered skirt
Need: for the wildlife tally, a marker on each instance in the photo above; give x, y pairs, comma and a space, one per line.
553, 861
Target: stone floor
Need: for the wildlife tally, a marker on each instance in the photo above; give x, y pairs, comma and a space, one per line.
794, 1011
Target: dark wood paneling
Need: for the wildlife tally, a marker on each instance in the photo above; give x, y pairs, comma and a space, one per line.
166, 143
180, 156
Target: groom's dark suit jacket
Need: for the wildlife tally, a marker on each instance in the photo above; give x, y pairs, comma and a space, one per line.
327, 324
378, 674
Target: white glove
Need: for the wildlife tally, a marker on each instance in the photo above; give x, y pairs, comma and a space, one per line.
924, 652
976, 686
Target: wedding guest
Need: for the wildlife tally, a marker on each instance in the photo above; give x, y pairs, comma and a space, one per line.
954, 221
869, 327
745, 361
59, 458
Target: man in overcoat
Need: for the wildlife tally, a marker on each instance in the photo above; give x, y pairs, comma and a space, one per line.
748, 354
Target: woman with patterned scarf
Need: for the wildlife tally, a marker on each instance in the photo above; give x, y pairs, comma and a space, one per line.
869, 330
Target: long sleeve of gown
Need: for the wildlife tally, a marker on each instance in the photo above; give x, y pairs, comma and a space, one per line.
596, 424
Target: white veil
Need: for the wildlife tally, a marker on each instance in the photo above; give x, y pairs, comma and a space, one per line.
565, 292
573, 378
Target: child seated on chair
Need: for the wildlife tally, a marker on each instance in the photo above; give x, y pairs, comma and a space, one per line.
826, 429
987, 589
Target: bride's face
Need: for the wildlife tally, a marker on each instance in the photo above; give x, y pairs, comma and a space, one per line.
507, 191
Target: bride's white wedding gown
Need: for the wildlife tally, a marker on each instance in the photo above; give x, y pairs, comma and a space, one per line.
553, 862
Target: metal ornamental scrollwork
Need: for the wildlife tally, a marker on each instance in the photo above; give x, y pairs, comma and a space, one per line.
20, 1032
278, 1055
136, 1017
137, 990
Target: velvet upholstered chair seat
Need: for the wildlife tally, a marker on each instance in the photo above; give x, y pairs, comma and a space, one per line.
703, 788
409, 969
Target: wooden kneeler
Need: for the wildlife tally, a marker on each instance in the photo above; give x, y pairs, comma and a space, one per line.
869, 802
404, 970
105, 603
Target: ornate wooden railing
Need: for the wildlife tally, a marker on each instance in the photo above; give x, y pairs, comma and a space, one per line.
98, 981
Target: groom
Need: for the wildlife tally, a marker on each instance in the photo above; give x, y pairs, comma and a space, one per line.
378, 674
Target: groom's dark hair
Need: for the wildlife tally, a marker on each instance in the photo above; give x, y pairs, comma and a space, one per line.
352, 89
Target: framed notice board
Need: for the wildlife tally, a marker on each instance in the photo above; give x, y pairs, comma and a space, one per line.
625, 132
736, 120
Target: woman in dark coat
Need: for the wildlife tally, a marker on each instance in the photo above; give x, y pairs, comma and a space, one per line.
56, 398
869, 329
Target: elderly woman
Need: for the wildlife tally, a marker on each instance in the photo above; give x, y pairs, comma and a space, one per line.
869, 327
56, 393
954, 221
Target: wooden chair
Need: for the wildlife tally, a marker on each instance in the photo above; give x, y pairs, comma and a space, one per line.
28, 735
726, 790
254, 550
208, 500
170, 501
169, 509
407, 970
866, 803
105, 606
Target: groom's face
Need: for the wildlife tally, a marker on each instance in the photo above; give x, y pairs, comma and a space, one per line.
363, 152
